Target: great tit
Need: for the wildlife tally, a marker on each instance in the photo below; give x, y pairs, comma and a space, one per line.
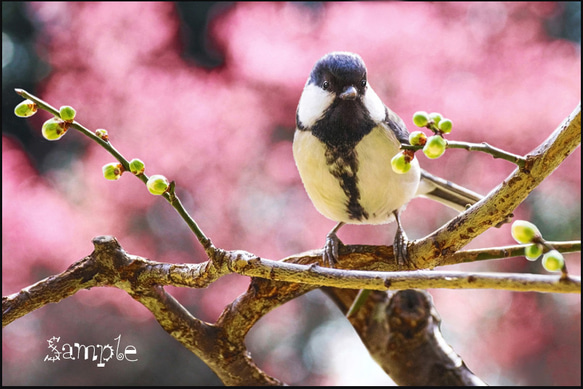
344, 141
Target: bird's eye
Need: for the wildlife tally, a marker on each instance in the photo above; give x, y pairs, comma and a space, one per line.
325, 85
363, 83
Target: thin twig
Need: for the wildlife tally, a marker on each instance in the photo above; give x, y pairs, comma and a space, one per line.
488, 149
483, 147
171, 197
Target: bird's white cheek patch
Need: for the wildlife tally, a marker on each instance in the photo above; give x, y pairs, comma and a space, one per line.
313, 102
375, 106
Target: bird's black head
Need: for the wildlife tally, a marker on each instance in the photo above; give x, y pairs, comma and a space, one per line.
341, 73
336, 101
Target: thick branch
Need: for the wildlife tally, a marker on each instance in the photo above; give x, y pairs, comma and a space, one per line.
229, 359
110, 265
401, 332
421, 279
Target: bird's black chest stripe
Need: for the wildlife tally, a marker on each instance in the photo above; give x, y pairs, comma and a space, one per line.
343, 164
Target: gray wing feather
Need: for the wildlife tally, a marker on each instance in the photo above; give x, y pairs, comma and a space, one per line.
396, 124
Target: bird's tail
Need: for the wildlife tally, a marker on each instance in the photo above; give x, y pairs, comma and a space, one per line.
445, 192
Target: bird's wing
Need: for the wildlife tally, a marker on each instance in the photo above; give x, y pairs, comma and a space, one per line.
396, 124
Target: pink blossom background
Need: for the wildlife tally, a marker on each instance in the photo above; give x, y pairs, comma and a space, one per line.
224, 135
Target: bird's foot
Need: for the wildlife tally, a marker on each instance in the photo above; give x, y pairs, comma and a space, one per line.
330, 255
400, 249
400, 245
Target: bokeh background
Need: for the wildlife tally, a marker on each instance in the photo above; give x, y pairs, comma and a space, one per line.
205, 93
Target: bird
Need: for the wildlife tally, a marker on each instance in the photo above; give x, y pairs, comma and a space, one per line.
344, 141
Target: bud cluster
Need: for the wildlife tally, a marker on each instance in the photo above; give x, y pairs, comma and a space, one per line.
433, 147
56, 127
527, 233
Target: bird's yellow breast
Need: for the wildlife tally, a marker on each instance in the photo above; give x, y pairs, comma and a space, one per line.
380, 190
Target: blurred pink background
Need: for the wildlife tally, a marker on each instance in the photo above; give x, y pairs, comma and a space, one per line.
224, 135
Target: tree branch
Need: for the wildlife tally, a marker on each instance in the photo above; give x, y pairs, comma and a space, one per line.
401, 332
110, 265
431, 251
421, 279
483, 147
170, 196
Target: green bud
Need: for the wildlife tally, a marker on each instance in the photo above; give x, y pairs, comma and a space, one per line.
553, 261
54, 129
112, 171
524, 232
401, 163
533, 252
67, 113
26, 109
157, 184
435, 147
417, 138
445, 126
102, 134
420, 118
137, 166
436, 117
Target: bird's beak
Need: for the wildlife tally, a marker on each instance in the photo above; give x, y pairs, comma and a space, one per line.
349, 93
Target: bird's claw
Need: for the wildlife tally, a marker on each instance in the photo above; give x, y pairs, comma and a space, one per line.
330, 254
400, 249
400, 245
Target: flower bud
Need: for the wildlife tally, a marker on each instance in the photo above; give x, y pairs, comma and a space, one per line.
533, 252
54, 129
137, 166
25, 109
401, 163
112, 171
445, 126
553, 261
435, 117
102, 134
157, 184
435, 147
417, 138
67, 113
420, 118
524, 232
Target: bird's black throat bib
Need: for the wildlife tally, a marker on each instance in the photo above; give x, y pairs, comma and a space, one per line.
344, 124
